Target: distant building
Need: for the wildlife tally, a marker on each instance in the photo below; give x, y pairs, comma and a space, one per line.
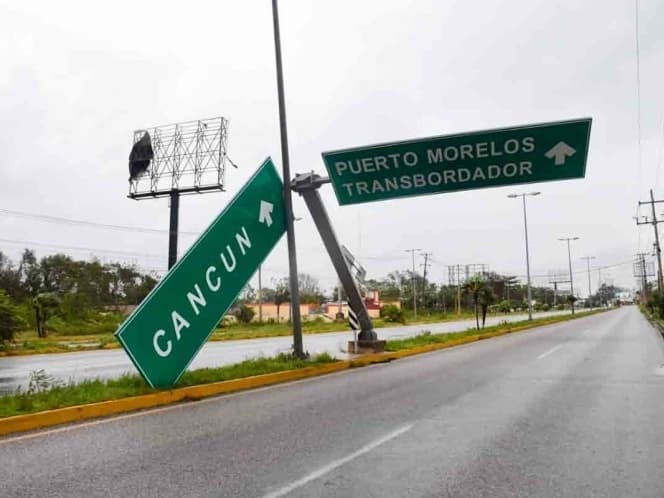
372, 302
269, 311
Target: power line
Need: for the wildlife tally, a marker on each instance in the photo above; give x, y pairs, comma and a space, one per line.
92, 224
30, 243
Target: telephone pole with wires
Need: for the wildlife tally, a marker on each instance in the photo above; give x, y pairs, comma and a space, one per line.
412, 278
654, 222
426, 255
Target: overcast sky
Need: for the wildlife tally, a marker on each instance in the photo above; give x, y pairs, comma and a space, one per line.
77, 78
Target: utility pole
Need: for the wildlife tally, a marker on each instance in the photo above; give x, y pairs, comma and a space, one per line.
288, 201
424, 277
260, 294
569, 260
412, 279
525, 225
458, 291
641, 272
588, 258
654, 222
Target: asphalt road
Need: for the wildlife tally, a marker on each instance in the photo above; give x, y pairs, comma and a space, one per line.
15, 371
574, 409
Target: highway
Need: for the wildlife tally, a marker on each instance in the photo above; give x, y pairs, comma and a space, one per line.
573, 409
15, 371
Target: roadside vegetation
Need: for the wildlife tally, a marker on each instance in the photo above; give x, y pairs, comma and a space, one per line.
57, 304
44, 393
426, 338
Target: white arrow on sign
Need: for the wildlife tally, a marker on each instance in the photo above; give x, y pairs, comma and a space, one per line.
265, 213
561, 151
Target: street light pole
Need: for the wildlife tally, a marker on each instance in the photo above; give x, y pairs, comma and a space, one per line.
525, 226
288, 201
569, 259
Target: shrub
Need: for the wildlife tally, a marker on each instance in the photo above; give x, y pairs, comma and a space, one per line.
244, 313
504, 306
390, 313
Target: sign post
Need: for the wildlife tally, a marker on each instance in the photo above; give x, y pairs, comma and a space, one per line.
173, 322
493, 158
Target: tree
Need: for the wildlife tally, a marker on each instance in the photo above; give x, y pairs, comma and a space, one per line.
44, 304
486, 299
10, 320
309, 289
473, 288
10, 278
30, 274
281, 294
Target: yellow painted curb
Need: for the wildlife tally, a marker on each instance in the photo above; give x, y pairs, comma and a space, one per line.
40, 420
31, 421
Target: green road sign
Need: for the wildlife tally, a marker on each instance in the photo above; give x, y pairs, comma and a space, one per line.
172, 323
507, 156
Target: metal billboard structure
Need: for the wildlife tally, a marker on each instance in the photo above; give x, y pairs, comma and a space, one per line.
557, 277
188, 157
177, 159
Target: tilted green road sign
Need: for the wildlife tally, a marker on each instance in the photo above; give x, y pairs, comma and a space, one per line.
172, 323
507, 156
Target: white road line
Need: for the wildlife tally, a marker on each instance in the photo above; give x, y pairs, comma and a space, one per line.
72, 426
338, 463
550, 351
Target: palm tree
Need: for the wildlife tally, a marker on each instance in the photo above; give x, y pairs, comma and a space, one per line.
473, 287
486, 298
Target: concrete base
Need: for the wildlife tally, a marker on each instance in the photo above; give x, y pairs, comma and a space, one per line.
364, 347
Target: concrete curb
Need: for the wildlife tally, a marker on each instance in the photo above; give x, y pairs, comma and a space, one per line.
40, 420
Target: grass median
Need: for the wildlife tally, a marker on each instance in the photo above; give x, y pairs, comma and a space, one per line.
71, 338
42, 393
427, 338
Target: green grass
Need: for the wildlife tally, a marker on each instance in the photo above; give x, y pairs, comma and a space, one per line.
54, 396
74, 336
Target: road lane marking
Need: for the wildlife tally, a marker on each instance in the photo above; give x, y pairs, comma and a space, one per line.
72, 426
550, 351
338, 463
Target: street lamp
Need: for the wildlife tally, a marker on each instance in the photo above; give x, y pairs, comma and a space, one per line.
569, 259
525, 225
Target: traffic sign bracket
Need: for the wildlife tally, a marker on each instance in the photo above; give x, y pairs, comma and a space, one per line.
307, 186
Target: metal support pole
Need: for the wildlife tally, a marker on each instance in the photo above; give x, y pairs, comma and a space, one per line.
173, 229
458, 292
571, 277
657, 248
412, 282
307, 186
260, 294
288, 202
525, 225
